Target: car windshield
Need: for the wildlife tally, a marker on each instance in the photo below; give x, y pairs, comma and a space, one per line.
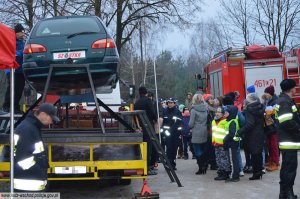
68, 26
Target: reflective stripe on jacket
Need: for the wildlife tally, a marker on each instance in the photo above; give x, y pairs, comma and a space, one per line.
287, 114
30, 185
218, 132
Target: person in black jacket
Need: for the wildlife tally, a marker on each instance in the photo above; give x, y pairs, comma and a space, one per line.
30, 156
287, 113
144, 103
253, 133
172, 127
231, 142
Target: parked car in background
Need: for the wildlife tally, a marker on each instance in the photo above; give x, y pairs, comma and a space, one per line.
71, 40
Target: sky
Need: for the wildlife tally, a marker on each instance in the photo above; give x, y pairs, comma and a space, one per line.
177, 39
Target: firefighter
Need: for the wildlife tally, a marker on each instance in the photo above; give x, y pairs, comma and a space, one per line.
171, 128
287, 114
30, 156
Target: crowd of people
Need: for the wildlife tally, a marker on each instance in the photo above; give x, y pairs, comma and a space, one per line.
215, 128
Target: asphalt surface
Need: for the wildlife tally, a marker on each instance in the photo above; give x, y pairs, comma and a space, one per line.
195, 186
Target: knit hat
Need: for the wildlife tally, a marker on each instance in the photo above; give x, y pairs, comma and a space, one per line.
252, 97
181, 107
287, 84
143, 90
270, 90
19, 28
251, 89
206, 97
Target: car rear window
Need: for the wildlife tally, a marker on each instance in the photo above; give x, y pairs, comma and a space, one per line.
67, 26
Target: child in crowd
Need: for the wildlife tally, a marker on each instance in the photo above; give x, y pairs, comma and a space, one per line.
218, 134
186, 133
231, 142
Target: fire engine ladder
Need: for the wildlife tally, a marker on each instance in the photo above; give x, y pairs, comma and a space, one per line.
293, 73
148, 128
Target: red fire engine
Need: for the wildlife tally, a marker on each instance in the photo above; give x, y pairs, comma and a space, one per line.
236, 68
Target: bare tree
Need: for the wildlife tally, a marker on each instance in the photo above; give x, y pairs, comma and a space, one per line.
276, 20
208, 39
23, 11
55, 8
237, 14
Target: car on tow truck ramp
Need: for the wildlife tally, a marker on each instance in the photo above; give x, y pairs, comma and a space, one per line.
71, 40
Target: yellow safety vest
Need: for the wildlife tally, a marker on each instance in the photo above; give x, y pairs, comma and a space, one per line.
235, 138
218, 132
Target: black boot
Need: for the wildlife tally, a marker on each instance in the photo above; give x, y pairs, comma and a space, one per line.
222, 175
199, 165
287, 193
256, 176
290, 194
292, 190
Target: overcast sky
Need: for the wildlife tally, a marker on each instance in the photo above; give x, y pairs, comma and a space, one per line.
180, 40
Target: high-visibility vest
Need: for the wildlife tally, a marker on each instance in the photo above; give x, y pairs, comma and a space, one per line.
235, 138
218, 132
27, 163
29, 184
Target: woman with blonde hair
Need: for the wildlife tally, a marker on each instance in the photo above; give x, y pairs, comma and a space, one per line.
198, 125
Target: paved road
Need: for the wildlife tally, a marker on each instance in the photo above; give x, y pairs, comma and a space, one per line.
195, 186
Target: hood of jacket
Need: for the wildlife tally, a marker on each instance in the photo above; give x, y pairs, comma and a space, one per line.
232, 110
200, 107
256, 108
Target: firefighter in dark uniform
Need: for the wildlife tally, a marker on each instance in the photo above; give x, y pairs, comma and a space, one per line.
30, 155
287, 115
171, 129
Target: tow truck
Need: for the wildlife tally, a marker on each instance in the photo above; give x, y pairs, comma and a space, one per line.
87, 144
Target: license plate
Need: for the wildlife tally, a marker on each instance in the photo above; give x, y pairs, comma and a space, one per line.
66, 55
70, 170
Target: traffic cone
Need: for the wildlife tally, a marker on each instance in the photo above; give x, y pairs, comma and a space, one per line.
146, 192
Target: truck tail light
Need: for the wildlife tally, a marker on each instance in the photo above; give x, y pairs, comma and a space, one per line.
104, 43
131, 172
34, 48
